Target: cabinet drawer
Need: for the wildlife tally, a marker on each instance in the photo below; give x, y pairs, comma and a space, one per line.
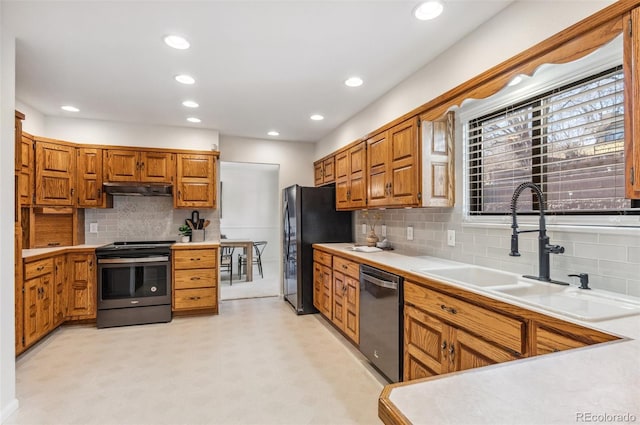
195, 278
322, 257
347, 267
492, 326
38, 268
187, 299
195, 259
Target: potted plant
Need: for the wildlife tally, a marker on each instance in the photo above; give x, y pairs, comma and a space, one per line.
185, 233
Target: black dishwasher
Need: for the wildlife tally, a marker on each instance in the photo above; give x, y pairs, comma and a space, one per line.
381, 320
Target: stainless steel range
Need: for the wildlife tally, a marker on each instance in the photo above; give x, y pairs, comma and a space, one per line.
134, 283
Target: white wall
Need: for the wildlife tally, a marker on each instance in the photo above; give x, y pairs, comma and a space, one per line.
294, 158
516, 28
126, 134
8, 401
250, 204
34, 120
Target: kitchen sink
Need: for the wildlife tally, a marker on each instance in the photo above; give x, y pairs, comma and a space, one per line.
588, 305
474, 276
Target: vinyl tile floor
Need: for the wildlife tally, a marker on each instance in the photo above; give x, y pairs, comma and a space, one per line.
267, 286
254, 363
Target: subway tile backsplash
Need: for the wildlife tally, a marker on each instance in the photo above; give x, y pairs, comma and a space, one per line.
612, 260
140, 218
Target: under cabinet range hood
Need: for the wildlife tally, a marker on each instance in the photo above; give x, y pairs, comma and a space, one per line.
138, 189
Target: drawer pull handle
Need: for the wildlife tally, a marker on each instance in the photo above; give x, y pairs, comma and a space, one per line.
195, 278
452, 353
195, 259
344, 266
194, 298
449, 309
40, 268
444, 345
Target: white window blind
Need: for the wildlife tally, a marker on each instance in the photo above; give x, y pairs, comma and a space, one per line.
570, 142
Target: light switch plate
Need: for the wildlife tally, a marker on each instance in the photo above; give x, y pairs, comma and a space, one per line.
364, 229
451, 237
93, 227
383, 230
409, 233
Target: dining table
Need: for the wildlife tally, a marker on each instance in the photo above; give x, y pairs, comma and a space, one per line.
247, 246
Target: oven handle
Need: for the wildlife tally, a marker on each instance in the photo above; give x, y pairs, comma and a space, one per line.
379, 282
132, 260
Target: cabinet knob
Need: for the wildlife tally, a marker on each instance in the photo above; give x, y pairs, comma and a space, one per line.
40, 268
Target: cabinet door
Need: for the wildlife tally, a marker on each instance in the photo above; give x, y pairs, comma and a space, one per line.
318, 178
19, 285
55, 174
425, 344
18, 139
156, 167
59, 293
438, 167
632, 104
327, 291
404, 167
26, 181
45, 304
121, 165
352, 310
377, 166
339, 299
328, 171
196, 181
342, 180
89, 172
317, 286
358, 176
470, 352
81, 302
31, 305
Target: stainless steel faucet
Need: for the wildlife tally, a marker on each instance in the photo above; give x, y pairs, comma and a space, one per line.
544, 248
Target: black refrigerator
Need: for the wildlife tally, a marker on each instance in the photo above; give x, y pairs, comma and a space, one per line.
309, 216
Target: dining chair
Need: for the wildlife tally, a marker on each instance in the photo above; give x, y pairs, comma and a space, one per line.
258, 249
226, 261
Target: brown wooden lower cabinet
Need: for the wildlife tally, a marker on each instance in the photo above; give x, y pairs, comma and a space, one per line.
322, 288
195, 279
60, 289
38, 300
82, 290
550, 335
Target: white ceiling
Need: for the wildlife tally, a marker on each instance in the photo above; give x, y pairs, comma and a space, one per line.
259, 65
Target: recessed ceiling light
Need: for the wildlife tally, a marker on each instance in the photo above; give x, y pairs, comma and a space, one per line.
316, 117
185, 79
176, 42
427, 10
194, 119
273, 133
353, 82
190, 104
70, 108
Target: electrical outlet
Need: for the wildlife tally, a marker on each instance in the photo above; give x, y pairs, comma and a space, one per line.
451, 237
383, 230
93, 227
409, 233
364, 229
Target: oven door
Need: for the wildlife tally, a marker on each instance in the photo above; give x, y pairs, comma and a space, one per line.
133, 282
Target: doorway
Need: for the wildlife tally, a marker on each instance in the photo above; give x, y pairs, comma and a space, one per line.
249, 211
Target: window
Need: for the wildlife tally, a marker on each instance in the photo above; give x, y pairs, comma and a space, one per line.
568, 141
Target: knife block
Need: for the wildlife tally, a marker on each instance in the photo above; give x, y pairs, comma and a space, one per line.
197, 235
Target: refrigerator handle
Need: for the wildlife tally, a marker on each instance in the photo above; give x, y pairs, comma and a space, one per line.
287, 229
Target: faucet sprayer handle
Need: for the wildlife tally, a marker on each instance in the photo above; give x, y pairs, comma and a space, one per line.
514, 244
555, 249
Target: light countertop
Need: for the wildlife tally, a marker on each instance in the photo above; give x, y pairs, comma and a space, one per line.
36, 252
571, 386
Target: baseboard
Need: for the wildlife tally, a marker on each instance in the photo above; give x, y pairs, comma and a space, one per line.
8, 410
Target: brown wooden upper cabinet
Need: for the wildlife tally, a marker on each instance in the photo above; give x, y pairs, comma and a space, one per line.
324, 171
55, 173
195, 181
351, 177
632, 104
394, 166
122, 165
89, 179
26, 172
438, 175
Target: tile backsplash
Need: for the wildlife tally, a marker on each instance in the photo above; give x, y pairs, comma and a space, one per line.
135, 218
612, 259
